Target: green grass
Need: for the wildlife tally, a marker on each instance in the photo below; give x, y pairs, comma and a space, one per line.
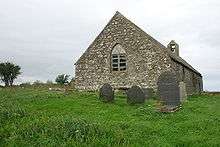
38, 117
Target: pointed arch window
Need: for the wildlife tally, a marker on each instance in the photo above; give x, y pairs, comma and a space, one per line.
119, 62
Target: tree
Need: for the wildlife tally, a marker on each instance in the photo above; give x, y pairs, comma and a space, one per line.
62, 79
9, 72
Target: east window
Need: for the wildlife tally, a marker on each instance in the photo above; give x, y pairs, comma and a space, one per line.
119, 62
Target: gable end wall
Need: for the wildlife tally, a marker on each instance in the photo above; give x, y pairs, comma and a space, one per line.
146, 59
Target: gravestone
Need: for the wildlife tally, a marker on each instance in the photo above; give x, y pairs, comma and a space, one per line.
183, 95
135, 95
168, 89
106, 93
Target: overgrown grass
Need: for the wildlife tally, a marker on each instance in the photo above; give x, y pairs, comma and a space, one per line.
38, 117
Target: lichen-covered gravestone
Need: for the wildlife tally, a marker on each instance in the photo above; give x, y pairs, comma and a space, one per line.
106, 93
135, 95
168, 89
183, 95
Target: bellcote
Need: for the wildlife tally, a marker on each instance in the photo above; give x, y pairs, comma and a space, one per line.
173, 47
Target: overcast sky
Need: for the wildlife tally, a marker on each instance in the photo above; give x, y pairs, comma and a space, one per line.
46, 37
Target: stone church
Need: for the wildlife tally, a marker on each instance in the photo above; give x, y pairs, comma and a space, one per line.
124, 55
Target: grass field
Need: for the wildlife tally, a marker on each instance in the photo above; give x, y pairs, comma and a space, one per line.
39, 117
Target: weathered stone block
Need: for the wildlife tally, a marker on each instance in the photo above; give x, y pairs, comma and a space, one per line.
106, 93
135, 95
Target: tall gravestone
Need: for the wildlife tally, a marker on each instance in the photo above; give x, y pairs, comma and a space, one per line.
135, 95
168, 89
106, 93
183, 95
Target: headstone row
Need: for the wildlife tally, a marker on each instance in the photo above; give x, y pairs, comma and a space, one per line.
170, 91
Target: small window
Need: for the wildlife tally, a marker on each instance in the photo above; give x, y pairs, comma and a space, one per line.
118, 58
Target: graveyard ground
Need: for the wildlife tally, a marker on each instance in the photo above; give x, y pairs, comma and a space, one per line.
38, 117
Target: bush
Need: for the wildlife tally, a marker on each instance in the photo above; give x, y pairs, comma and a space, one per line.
62, 79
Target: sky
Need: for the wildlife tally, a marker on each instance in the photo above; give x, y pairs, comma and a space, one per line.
46, 37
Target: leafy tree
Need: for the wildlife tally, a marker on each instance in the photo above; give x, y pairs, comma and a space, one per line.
62, 79
9, 72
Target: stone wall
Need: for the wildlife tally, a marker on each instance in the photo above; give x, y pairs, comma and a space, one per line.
146, 60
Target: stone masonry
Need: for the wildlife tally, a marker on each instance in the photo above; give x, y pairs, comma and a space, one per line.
146, 59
